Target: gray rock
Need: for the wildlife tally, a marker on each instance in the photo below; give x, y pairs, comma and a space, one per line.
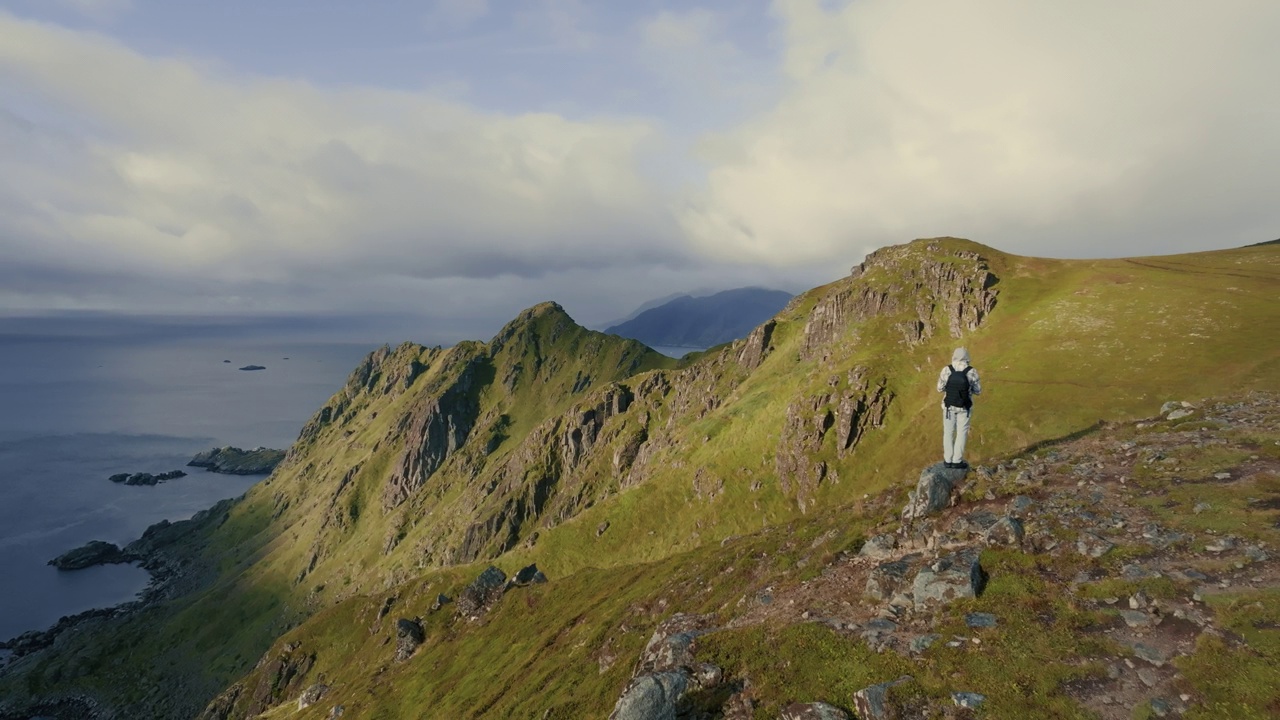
980, 620
875, 702
1139, 619
886, 579
529, 575
234, 461
1179, 414
1221, 545
1170, 406
671, 645
312, 695
1007, 531
935, 491
879, 546
1139, 600
1256, 554
953, 576
654, 696
1155, 656
1161, 707
924, 642
1020, 505
813, 711
1148, 677
441, 601
482, 593
409, 635
968, 699
1093, 546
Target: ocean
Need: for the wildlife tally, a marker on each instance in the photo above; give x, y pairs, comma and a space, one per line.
78, 407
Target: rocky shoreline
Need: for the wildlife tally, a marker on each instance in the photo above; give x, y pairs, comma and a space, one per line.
234, 461
143, 478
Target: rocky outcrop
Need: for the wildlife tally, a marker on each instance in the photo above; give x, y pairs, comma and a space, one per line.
94, 552
936, 490
234, 461
757, 346
885, 701
409, 635
146, 478
932, 288
667, 673
476, 598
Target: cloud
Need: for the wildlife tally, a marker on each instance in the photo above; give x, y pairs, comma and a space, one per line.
455, 15
122, 165
1086, 128
98, 9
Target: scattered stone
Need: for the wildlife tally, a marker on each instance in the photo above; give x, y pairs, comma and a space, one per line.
969, 700
671, 645
1139, 619
923, 642
874, 703
1222, 476
1093, 546
953, 576
1148, 677
1179, 414
879, 546
600, 530
1256, 554
813, 711
1139, 600
1221, 545
1007, 531
441, 601
1201, 507
1136, 571
312, 695
409, 636
1170, 406
482, 593
1020, 505
1155, 656
980, 620
337, 712
1161, 707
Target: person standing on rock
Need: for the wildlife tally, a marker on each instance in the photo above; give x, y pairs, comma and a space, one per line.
959, 383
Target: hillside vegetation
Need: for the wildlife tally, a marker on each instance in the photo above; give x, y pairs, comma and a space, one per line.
723, 487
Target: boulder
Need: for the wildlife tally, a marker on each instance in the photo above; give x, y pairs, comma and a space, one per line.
1007, 531
969, 700
654, 696
879, 546
528, 575
813, 711
441, 601
936, 490
957, 575
409, 635
671, 645
878, 701
312, 695
886, 579
481, 594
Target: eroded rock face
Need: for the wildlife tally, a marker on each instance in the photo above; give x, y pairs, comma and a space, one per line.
757, 346
879, 702
435, 430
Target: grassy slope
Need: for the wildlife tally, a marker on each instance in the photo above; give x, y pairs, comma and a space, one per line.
1070, 342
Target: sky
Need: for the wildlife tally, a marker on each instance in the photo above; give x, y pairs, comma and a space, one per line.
449, 162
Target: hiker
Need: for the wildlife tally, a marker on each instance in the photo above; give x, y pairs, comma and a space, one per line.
959, 383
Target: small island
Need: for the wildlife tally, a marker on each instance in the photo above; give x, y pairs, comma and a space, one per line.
234, 461
94, 552
254, 367
146, 478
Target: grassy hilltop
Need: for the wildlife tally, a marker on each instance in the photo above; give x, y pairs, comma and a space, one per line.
644, 487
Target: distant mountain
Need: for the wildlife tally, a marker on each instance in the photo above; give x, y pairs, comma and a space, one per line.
688, 321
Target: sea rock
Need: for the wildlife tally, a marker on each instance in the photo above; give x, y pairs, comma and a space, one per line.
957, 575
145, 478
482, 593
813, 711
877, 701
409, 635
935, 491
253, 367
234, 461
654, 696
94, 552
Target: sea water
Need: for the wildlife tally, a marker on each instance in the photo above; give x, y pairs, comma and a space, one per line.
77, 409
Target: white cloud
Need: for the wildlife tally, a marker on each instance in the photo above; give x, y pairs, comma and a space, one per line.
123, 165
1038, 127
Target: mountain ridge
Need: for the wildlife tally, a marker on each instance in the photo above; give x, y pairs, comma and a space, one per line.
594, 457
704, 321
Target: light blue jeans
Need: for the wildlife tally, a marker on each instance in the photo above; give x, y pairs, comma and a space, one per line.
955, 430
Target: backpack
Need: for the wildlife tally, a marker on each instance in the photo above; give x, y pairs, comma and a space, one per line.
957, 388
